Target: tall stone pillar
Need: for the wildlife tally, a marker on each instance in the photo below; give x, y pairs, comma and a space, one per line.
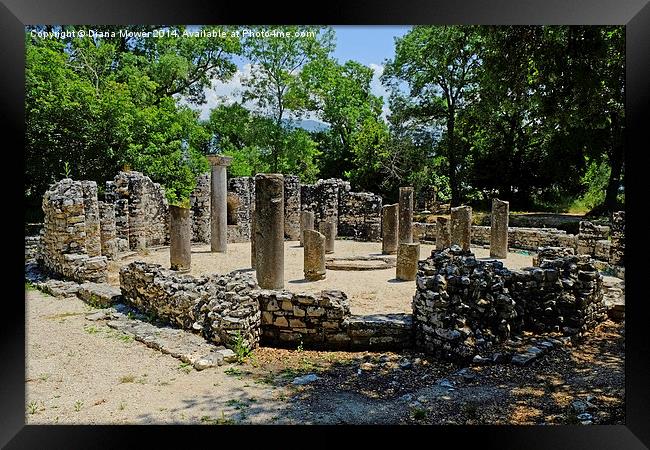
328, 229
314, 255
443, 233
180, 233
461, 226
389, 227
269, 230
499, 229
408, 255
218, 203
108, 232
405, 215
306, 223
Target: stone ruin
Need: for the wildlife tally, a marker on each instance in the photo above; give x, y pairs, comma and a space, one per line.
71, 238
461, 305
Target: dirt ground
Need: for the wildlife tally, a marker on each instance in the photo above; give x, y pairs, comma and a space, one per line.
83, 372
369, 291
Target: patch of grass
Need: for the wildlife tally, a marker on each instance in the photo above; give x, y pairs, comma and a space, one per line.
63, 315
122, 406
127, 378
185, 367
233, 372
238, 404
77, 405
44, 376
29, 286
91, 329
241, 348
32, 407
223, 420
418, 413
125, 338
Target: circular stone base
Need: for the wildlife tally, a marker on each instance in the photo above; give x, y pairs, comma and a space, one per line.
360, 263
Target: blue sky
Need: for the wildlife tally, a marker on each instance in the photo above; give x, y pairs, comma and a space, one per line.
369, 45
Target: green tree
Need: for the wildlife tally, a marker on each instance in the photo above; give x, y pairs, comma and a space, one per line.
438, 64
276, 61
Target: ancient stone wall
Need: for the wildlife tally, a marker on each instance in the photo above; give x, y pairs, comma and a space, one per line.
292, 207
108, 233
588, 237
200, 209
32, 248
68, 234
219, 307
322, 198
141, 209
462, 305
240, 204
617, 251
323, 321
359, 214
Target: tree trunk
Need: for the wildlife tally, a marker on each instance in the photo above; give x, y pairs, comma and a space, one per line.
453, 159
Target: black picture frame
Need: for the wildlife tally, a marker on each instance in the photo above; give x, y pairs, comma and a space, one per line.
635, 14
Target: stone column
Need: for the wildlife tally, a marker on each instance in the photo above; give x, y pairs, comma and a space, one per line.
405, 215
389, 227
108, 233
443, 233
461, 226
328, 229
408, 255
306, 223
269, 230
180, 233
314, 255
253, 240
218, 203
499, 229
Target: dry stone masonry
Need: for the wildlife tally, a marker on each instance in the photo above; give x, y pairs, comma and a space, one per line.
291, 207
240, 205
464, 305
141, 210
219, 307
67, 235
108, 231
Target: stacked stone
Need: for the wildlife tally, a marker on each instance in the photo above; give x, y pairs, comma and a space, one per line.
564, 294
219, 307
32, 248
200, 207
108, 230
291, 207
551, 253
359, 214
617, 251
424, 232
316, 320
64, 239
91, 212
588, 237
243, 189
527, 238
461, 304
322, 199
141, 210
380, 332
